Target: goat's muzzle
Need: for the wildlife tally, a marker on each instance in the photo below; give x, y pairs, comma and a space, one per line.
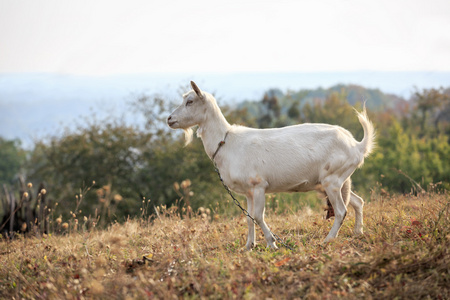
171, 122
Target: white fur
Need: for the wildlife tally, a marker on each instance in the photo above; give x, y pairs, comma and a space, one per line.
296, 158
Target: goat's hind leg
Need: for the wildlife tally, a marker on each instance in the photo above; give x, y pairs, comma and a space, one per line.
339, 196
357, 203
346, 191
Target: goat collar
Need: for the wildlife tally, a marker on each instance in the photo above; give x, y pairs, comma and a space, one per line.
221, 143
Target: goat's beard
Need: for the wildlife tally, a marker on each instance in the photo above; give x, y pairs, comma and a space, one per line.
188, 133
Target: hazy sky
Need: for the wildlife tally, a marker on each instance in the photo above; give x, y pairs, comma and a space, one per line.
114, 37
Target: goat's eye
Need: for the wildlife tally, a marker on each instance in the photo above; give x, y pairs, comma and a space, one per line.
189, 102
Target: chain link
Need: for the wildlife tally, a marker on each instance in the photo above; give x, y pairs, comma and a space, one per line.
245, 212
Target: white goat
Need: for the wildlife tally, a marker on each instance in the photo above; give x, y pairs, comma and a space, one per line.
297, 158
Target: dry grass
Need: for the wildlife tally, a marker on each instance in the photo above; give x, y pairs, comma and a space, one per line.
404, 253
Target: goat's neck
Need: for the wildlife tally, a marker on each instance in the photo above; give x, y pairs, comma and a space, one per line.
212, 131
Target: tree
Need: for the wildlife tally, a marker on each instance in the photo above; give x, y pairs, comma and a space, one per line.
270, 109
12, 157
105, 152
294, 112
432, 108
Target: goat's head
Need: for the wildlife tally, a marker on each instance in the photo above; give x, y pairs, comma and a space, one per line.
191, 112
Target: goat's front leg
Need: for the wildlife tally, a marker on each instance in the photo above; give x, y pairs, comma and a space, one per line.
251, 226
259, 199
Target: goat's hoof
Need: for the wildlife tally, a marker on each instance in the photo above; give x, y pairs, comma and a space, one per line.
358, 232
249, 246
272, 247
327, 240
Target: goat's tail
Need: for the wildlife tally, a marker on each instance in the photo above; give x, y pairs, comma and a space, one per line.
368, 142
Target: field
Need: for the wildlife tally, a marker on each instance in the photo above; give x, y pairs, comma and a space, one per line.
403, 254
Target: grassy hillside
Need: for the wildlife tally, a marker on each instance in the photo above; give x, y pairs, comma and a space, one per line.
404, 253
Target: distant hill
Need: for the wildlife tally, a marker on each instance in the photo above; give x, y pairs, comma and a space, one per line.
375, 99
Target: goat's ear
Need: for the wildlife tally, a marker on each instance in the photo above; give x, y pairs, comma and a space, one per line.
196, 90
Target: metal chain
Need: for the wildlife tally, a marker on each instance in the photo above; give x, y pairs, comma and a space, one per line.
244, 211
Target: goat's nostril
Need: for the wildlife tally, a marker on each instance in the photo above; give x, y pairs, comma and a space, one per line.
170, 121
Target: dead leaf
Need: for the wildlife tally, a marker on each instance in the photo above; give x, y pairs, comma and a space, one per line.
282, 262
